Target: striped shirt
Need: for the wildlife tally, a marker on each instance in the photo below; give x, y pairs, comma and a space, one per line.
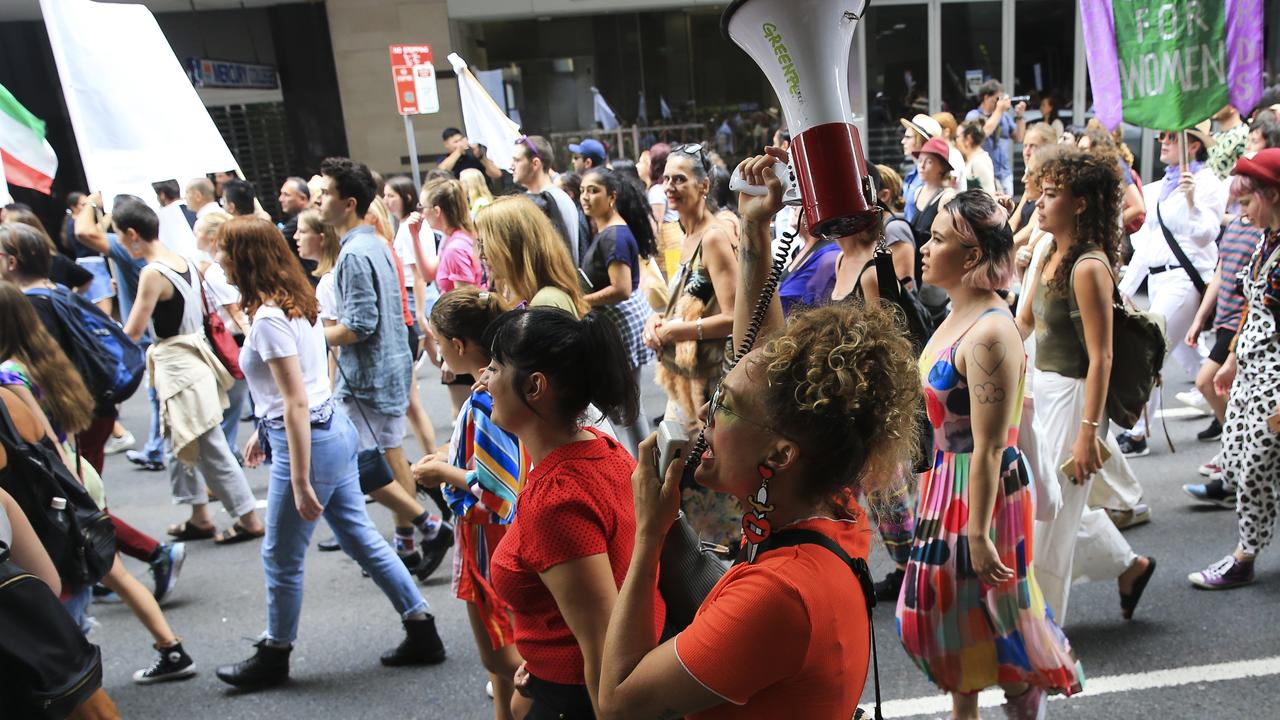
1238, 243
496, 464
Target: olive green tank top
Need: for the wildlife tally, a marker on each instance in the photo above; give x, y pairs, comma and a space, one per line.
1059, 348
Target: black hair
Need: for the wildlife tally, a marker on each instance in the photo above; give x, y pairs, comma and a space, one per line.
300, 184
631, 204
572, 183
169, 189
19, 206
449, 132
720, 197
465, 314
128, 212
241, 194
73, 199
584, 360
402, 185
973, 132
546, 202
351, 179
1268, 128
626, 169
1202, 153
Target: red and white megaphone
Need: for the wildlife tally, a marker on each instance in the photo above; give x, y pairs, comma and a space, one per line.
803, 48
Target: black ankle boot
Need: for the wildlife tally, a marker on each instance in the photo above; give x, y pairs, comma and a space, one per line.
268, 667
421, 645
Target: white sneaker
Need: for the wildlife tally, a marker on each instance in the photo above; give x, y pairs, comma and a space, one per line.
1212, 469
119, 444
488, 689
1193, 398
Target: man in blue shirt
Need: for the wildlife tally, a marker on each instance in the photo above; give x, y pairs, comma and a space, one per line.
1002, 131
374, 383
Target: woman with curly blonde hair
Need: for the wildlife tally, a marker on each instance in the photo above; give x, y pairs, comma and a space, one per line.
975, 512
1079, 204
821, 410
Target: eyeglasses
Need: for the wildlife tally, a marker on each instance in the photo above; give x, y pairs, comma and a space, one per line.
717, 405
533, 151
695, 150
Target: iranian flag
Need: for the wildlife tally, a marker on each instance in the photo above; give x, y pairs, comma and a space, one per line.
26, 157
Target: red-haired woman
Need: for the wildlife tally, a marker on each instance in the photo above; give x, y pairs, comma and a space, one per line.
312, 449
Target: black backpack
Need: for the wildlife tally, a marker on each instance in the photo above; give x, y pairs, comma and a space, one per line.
78, 536
47, 667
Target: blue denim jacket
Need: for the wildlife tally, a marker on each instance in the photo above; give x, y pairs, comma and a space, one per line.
377, 368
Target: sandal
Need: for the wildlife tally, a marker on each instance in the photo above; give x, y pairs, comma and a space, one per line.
237, 534
1129, 602
188, 530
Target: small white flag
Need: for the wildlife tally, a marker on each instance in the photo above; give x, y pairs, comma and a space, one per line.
603, 113
484, 120
662, 106
643, 115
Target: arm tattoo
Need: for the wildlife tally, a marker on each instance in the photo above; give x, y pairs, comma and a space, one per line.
989, 357
988, 393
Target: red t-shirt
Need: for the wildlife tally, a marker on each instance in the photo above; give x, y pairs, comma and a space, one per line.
787, 635
576, 503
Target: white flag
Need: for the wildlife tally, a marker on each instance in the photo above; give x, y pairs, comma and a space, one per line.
136, 116
485, 122
603, 113
643, 115
5, 197
662, 106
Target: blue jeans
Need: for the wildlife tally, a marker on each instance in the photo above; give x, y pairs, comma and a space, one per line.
154, 449
77, 605
337, 486
231, 416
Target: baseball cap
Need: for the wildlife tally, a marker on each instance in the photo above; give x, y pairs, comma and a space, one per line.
590, 148
923, 124
1263, 166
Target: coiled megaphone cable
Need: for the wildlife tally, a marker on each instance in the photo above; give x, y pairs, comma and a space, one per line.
748, 341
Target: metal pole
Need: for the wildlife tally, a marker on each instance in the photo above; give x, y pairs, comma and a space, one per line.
413, 150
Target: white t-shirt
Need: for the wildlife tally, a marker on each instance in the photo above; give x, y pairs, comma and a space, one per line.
221, 293
273, 336
327, 296
658, 196
403, 245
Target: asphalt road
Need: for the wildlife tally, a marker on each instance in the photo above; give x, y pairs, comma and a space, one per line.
219, 606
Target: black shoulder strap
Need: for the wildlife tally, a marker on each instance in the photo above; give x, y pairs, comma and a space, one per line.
1183, 260
801, 536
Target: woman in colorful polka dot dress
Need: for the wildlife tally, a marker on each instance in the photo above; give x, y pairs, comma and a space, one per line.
970, 613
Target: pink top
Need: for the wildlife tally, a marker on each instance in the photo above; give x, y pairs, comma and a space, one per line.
458, 263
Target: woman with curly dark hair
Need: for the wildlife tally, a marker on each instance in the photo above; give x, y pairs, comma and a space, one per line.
975, 507
1080, 205
821, 410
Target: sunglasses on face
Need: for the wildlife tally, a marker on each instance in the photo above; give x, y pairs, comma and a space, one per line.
717, 405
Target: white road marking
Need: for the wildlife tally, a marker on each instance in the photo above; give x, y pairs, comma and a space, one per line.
1129, 682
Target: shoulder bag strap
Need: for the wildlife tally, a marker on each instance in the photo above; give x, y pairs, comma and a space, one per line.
801, 536
1183, 260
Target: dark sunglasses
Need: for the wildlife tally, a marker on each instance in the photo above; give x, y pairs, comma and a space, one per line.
695, 150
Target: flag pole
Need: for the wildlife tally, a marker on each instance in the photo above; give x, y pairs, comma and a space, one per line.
412, 142
1183, 160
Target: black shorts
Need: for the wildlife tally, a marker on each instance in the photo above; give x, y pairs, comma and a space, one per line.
1221, 344
463, 379
415, 347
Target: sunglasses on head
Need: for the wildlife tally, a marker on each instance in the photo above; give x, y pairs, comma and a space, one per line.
695, 150
533, 151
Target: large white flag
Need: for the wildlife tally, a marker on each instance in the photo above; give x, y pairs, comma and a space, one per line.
603, 113
485, 122
136, 116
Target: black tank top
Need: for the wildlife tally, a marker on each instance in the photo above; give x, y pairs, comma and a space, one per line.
167, 317
922, 229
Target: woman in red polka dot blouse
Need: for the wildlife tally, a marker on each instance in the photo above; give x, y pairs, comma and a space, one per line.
564, 557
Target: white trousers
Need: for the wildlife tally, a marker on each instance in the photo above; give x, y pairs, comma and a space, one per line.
1174, 297
1080, 544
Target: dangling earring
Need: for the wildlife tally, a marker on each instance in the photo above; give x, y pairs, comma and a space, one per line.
756, 527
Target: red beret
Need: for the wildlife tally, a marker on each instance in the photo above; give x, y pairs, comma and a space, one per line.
1263, 166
